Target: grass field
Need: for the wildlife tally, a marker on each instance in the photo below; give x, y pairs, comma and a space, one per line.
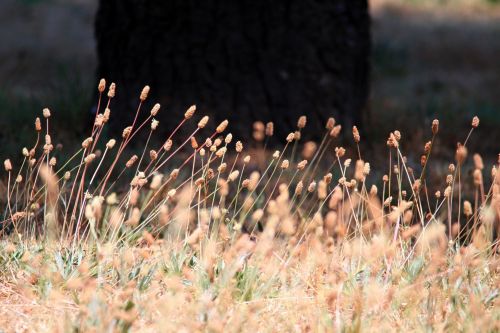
394, 228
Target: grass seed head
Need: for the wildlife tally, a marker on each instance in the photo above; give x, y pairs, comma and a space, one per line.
101, 86
144, 93
46, 113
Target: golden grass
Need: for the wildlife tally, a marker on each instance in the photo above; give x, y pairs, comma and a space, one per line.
203, 234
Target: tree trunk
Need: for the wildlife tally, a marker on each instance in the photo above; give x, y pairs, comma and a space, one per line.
242, 60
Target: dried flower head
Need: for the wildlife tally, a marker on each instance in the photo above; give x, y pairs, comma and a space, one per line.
101, 86
222, 126
301, 123
7, 165
190, 112
298, 188
239, 147
461, 154
153, 155
269, 129
335, 132
167, 145
339, 152
478, 162
330, 123
435, 126
38, 124
112, 90
154, 124
89, 158
301, 165
131, 161
355, 134
144, 93
46, 113
194, 143
203, 122
475, 122
155, 109
126, 132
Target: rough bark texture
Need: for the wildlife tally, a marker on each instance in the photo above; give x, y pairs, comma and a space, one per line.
242, 60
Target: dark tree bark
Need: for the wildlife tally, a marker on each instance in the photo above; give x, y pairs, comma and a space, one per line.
243, 60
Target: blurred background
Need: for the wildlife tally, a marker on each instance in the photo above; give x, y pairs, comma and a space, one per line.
429, 59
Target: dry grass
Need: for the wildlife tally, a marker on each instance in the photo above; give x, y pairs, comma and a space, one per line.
202, 236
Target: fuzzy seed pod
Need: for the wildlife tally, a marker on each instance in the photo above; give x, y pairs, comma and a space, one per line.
246, 160
153, 155
299, 188
202, 152
105, 116
46, 113
154, 124
87, 142
276, 154
194, 143
239, 147
475, 122
110, 144
290, 137
155, 109
7, 165
67, 175
397, 135
89, 158
301, 123
203, 122
126, 132
467, 208
174, 174
435, 126
102, 85
285, 164
167, 145
438, 194
131, 161
190, 112
221, 152
233, 176
25, 151
335, 132
222, 168
301, 165
478, 177
156, 182
53, 162
112, 90
19, 179
228, 138
330, 123
144, 93
222, 126
447, 191
311, 187
270, 128
309, 149
461, 154
38, 124
339, 152
355, 134
328, 178
478, 162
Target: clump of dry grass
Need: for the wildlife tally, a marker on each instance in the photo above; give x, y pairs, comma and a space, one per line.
207, 237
